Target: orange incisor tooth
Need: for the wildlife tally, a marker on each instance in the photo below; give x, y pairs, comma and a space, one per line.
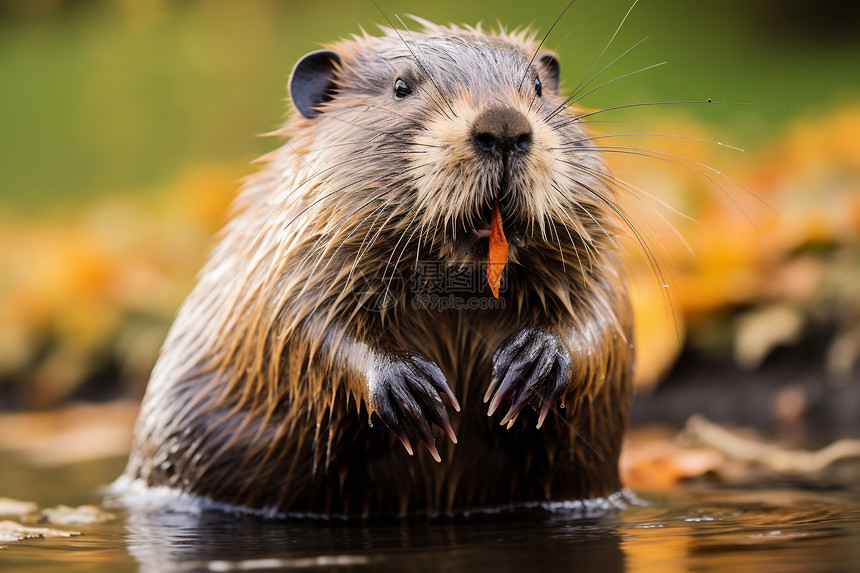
498, 252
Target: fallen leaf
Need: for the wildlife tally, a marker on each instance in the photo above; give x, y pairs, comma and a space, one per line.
12, 531
65, 515
498, 252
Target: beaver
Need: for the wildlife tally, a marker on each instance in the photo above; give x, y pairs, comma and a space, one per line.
343, 310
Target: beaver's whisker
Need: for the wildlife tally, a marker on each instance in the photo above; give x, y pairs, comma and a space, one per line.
583, 115
284, 140
569, 102
417, 61
298, 156
343, 241
638, 192
532, 102
362, 244
416, 167
540, 45
574, 142
325, 196
361, 251
391, 216
288, 194
345, 218
412, 121
679, 160
397, 244
277, 207
619, 183
582, 86
606, 48
551, 225
591, 191
644, 245
586, 241
278, 165
324, 292
400, 256
541, 225
575, 248
428, 72
435, 231
412, 124
253, 243
395, 136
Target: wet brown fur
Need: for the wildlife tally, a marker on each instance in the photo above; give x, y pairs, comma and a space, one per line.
260, 396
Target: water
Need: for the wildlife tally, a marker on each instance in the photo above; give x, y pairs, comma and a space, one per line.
702, 529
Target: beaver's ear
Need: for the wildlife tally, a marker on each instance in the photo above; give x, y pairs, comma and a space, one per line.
550, 63
312, 81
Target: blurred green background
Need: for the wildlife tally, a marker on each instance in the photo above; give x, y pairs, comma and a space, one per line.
125, 126
104, 97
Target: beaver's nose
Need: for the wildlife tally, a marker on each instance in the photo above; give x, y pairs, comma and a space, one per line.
502, 130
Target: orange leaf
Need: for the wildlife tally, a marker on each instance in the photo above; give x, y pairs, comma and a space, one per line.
498, 252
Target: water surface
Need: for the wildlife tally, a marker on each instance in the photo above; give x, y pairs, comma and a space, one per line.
696, 529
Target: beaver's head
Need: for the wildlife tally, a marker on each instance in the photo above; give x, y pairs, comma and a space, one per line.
419, 135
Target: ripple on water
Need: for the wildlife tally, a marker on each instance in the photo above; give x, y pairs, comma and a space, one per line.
747, 531
707, 530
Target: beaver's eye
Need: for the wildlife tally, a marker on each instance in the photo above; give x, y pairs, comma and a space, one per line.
401, 88
538, 87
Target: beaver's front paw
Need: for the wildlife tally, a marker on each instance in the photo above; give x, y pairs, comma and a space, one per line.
531, 367
405, 391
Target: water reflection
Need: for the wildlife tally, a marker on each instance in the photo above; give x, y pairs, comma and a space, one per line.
746, 531
740, 531
162, 542
790, 530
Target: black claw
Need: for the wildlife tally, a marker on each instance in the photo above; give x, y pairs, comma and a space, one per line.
437, 379
405, 441
532, 367
431, 447
406, 395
